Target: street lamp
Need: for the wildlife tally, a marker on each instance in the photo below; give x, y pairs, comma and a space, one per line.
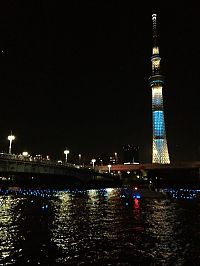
25, 153
66, 152
93, 161
10, 138
109, 166
79, 159
116, 159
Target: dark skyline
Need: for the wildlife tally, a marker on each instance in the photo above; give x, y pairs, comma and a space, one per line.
76, 76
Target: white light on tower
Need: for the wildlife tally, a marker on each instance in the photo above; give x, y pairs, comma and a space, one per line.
10, 138
66, 152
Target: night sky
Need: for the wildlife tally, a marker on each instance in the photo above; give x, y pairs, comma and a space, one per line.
76, 76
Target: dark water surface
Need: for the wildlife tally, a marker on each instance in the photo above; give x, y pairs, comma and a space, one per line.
98, 227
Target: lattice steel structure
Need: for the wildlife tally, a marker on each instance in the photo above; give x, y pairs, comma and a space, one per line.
160, 152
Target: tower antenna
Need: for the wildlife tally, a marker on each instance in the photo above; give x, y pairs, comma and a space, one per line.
154, 30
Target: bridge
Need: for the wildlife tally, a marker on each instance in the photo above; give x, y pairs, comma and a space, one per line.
22, 170
28, 171
182, 172
148, 166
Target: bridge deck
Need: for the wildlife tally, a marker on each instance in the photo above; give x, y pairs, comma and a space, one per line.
13, 165
148, 166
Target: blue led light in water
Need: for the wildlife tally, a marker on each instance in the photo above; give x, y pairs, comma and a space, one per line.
136, 196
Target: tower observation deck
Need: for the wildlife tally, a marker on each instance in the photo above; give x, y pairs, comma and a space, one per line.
160, 152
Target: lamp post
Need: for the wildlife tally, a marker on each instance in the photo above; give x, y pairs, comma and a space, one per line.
79, 159
10, 138
66, 152
109, 166
93, 161
116, 159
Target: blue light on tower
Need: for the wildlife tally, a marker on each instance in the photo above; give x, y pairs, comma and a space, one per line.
159, 124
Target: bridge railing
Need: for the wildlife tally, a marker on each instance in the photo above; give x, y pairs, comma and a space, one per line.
31, 159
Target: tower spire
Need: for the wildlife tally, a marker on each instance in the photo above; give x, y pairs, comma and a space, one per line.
154, 30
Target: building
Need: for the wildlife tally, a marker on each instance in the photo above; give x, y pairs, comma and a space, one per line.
105, 159
113, 160
160, 152
130, 153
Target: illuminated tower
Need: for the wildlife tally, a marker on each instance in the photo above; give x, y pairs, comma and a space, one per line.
160, 152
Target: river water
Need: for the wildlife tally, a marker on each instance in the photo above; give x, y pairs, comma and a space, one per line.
98, 227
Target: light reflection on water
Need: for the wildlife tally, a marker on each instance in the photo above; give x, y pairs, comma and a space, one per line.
98, 227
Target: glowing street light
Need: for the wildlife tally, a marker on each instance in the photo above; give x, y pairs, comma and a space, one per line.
109, 166
10, 138
79, 158
116, 159
93, 162
66, 152
25, 153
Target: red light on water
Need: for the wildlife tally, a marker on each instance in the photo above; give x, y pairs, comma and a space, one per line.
136, 203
